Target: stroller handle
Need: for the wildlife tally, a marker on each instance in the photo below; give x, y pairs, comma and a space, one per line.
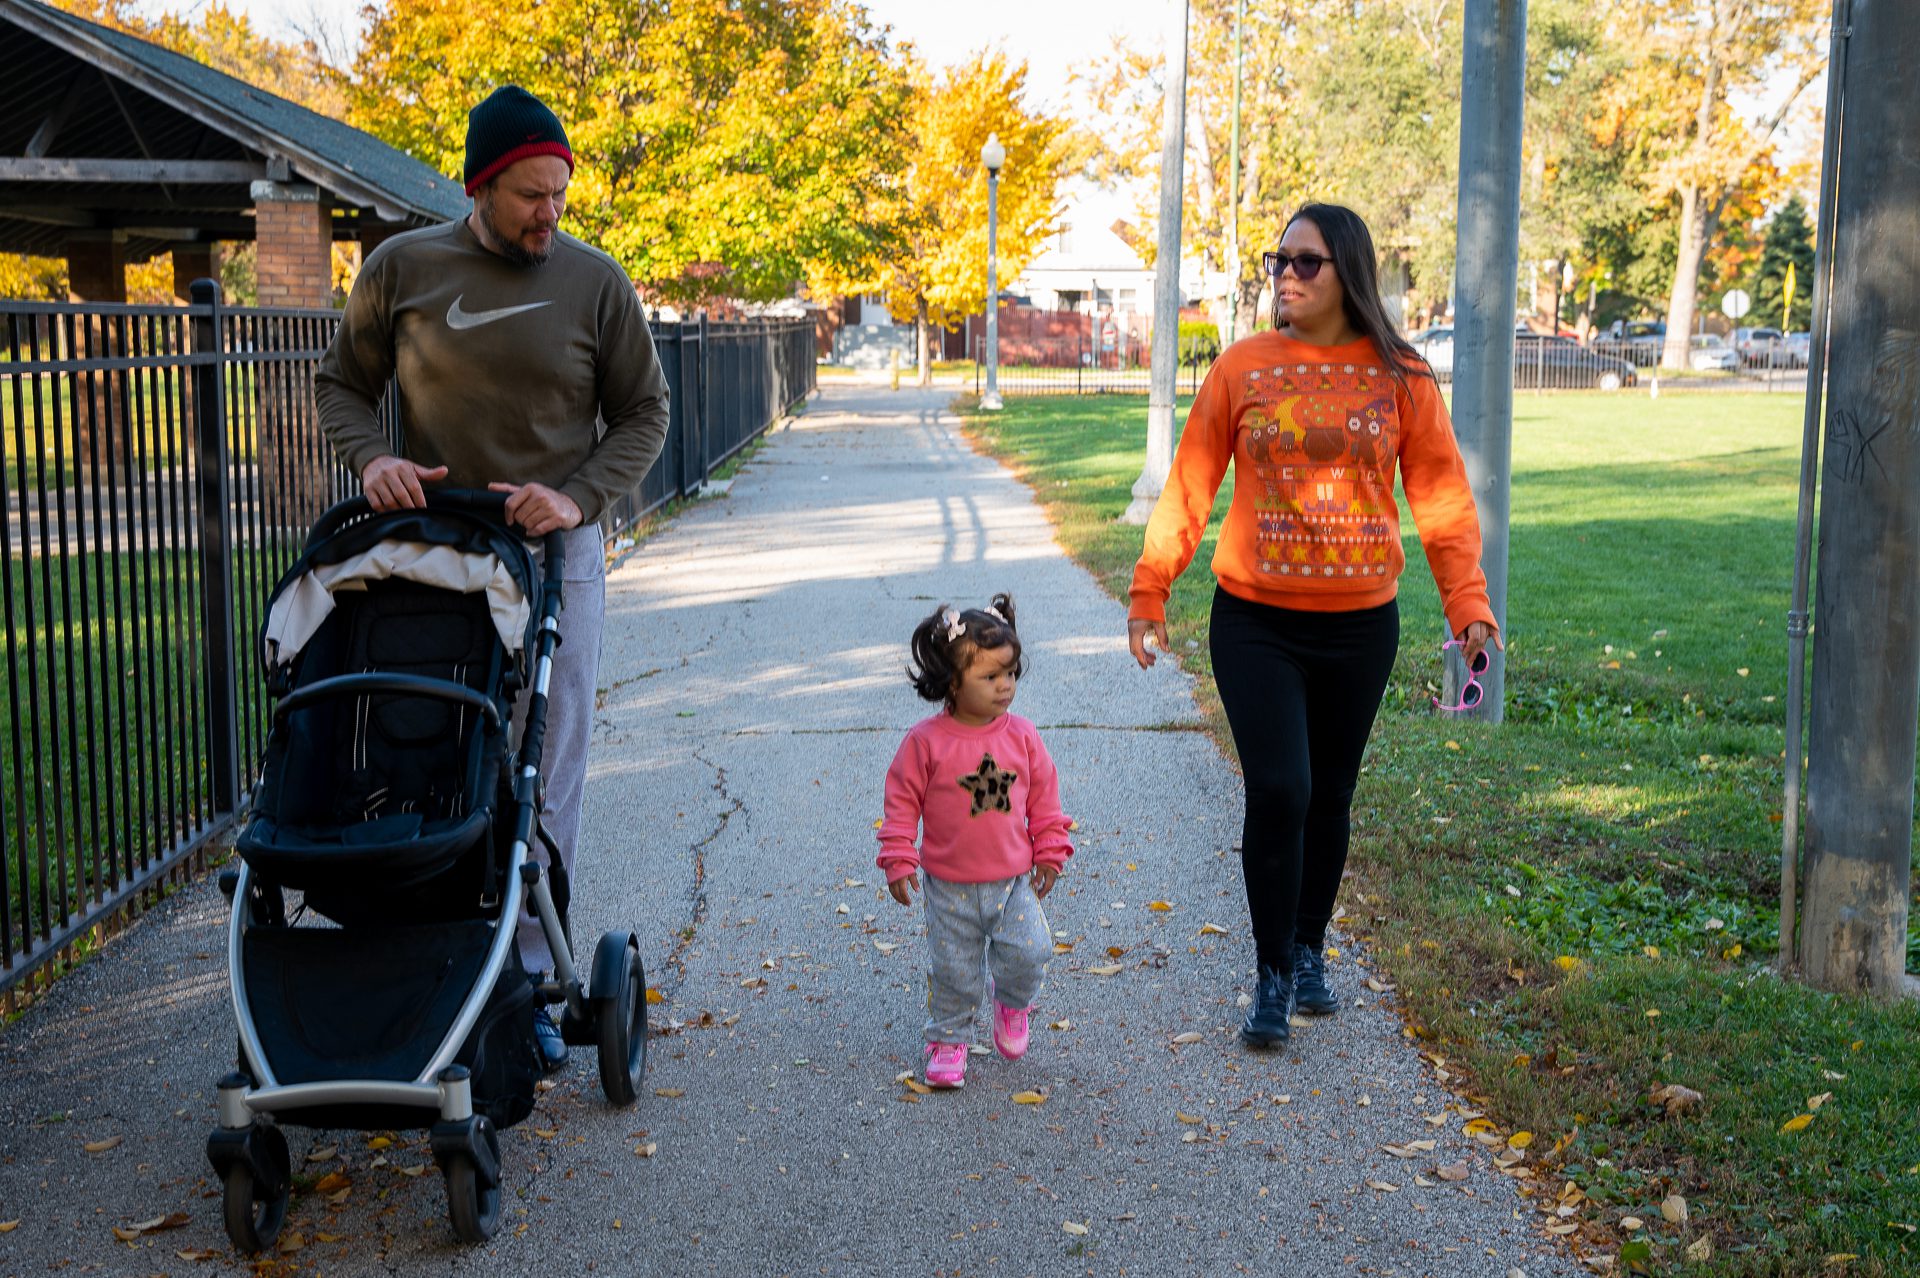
475, 501
389, 685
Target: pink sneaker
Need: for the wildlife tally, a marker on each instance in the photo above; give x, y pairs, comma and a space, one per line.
946, 1065
1010, 1030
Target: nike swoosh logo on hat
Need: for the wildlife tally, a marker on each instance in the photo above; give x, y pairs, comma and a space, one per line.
458, 319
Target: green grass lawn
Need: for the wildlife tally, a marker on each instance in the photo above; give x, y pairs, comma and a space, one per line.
1578, 907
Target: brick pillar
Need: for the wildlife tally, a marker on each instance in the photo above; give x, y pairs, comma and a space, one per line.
97, 272
192, 260
97, 268
293, 227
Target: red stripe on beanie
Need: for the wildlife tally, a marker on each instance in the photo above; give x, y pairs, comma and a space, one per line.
518, 153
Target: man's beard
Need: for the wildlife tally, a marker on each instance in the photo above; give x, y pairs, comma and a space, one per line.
510, 247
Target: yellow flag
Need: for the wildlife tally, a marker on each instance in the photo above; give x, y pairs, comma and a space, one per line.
1786, 300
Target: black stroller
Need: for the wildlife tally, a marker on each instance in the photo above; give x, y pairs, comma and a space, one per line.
385, 863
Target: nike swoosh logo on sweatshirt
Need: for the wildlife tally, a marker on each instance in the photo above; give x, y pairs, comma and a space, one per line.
458, 319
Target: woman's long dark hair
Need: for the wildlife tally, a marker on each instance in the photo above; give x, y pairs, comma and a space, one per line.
1351, 245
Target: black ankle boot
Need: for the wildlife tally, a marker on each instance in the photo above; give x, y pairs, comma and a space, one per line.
1266, 1023
1311, 992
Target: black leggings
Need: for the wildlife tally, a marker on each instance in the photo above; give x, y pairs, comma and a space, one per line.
1300, 690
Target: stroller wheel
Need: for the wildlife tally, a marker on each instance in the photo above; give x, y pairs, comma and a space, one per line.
621, 1010
254, 1211
473, 1203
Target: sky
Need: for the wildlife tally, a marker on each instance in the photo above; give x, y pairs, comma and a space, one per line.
1053, 36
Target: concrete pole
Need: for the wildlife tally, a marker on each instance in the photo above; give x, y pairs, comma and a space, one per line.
1866, 663
1487, 265
1166, 281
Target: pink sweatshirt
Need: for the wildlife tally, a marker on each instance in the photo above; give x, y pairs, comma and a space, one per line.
985, 802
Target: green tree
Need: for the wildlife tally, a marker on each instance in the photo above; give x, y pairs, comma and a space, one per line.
940, 274
723, 147
1788, 241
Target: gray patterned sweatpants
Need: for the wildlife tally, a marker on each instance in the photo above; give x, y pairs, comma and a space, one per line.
1000, 923
571, 691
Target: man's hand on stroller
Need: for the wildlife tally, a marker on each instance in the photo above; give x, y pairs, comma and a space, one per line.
538, 509
393, 483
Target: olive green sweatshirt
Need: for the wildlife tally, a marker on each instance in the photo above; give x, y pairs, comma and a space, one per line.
521, 374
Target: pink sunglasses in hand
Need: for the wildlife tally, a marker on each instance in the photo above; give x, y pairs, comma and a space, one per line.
1469, 695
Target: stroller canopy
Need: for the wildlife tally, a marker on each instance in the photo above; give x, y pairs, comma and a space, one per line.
445, 549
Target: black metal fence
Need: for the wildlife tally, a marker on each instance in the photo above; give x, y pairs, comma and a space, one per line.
162, 465
1123, 370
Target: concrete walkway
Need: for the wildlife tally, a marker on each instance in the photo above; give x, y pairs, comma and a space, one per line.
753, 697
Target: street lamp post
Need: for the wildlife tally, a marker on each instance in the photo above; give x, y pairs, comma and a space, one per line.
993, 155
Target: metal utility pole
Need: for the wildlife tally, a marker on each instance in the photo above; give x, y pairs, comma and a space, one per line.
1233, 185
1866, 666
1164, 369
1487, 265
994, 157
1797, 616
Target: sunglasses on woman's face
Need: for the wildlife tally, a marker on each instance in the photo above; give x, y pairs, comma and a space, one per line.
1471, 694
1305, 265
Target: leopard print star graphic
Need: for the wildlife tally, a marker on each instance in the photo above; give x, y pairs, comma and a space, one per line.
991, 787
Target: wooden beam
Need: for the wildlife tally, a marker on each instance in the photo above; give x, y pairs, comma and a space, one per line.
43, 137
172, 172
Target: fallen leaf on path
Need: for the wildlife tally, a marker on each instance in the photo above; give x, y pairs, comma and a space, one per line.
1797, 1124
1452, 1171
1519, 1140
417, 1170
647, 1150
1815, 1102
886, 947
1631, 1223
1160, 907
655, 996
1677, 1099
1423, 1182
1190, 1036
380, 1142
1187, 1118
1383, 1186
1212, 929
102, 1146
671, 1093
290, 1243
322, 1154
1378, 986
1674, 1208
8, 1226
1062, 1024
1029, 1098
331, 1183
1074, 1227
1062, 947
197, 1253
1105, 969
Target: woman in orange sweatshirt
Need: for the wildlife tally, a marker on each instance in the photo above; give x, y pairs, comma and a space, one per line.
1314, 415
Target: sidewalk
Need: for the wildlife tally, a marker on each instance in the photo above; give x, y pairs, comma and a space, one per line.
753, 696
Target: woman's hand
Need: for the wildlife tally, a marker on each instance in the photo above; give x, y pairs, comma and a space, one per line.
1138, 628
904, 888
1473, 641
1043, 878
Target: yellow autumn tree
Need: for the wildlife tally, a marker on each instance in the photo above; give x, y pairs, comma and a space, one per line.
940, 276
722, 149
1706, 64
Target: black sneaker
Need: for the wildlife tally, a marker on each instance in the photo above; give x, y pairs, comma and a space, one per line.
1266, 1023
546, 1037
1311, 992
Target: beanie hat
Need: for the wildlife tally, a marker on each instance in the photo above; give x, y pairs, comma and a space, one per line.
510, 124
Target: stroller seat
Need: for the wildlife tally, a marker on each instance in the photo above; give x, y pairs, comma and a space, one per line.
385, 784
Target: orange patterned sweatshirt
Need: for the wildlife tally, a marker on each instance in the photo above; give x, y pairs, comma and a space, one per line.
1314, 433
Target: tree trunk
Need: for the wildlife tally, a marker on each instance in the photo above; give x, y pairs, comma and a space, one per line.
920, 327
1393, 290
1683, 302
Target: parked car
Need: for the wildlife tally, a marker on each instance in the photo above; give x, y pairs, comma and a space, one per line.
1556, 362
1641, 340
1798, 348
1711, 354
1436, 347
1762, 346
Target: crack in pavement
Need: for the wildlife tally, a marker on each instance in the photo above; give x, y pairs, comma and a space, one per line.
676, 958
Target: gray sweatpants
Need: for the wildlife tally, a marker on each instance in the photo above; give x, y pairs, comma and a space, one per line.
571, 693
999, 922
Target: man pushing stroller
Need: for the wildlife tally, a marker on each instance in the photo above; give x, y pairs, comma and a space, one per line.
523, 364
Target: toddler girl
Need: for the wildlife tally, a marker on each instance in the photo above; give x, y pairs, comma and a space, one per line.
978, 787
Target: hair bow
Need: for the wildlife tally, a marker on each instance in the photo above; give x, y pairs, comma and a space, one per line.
994, 612
955, 626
